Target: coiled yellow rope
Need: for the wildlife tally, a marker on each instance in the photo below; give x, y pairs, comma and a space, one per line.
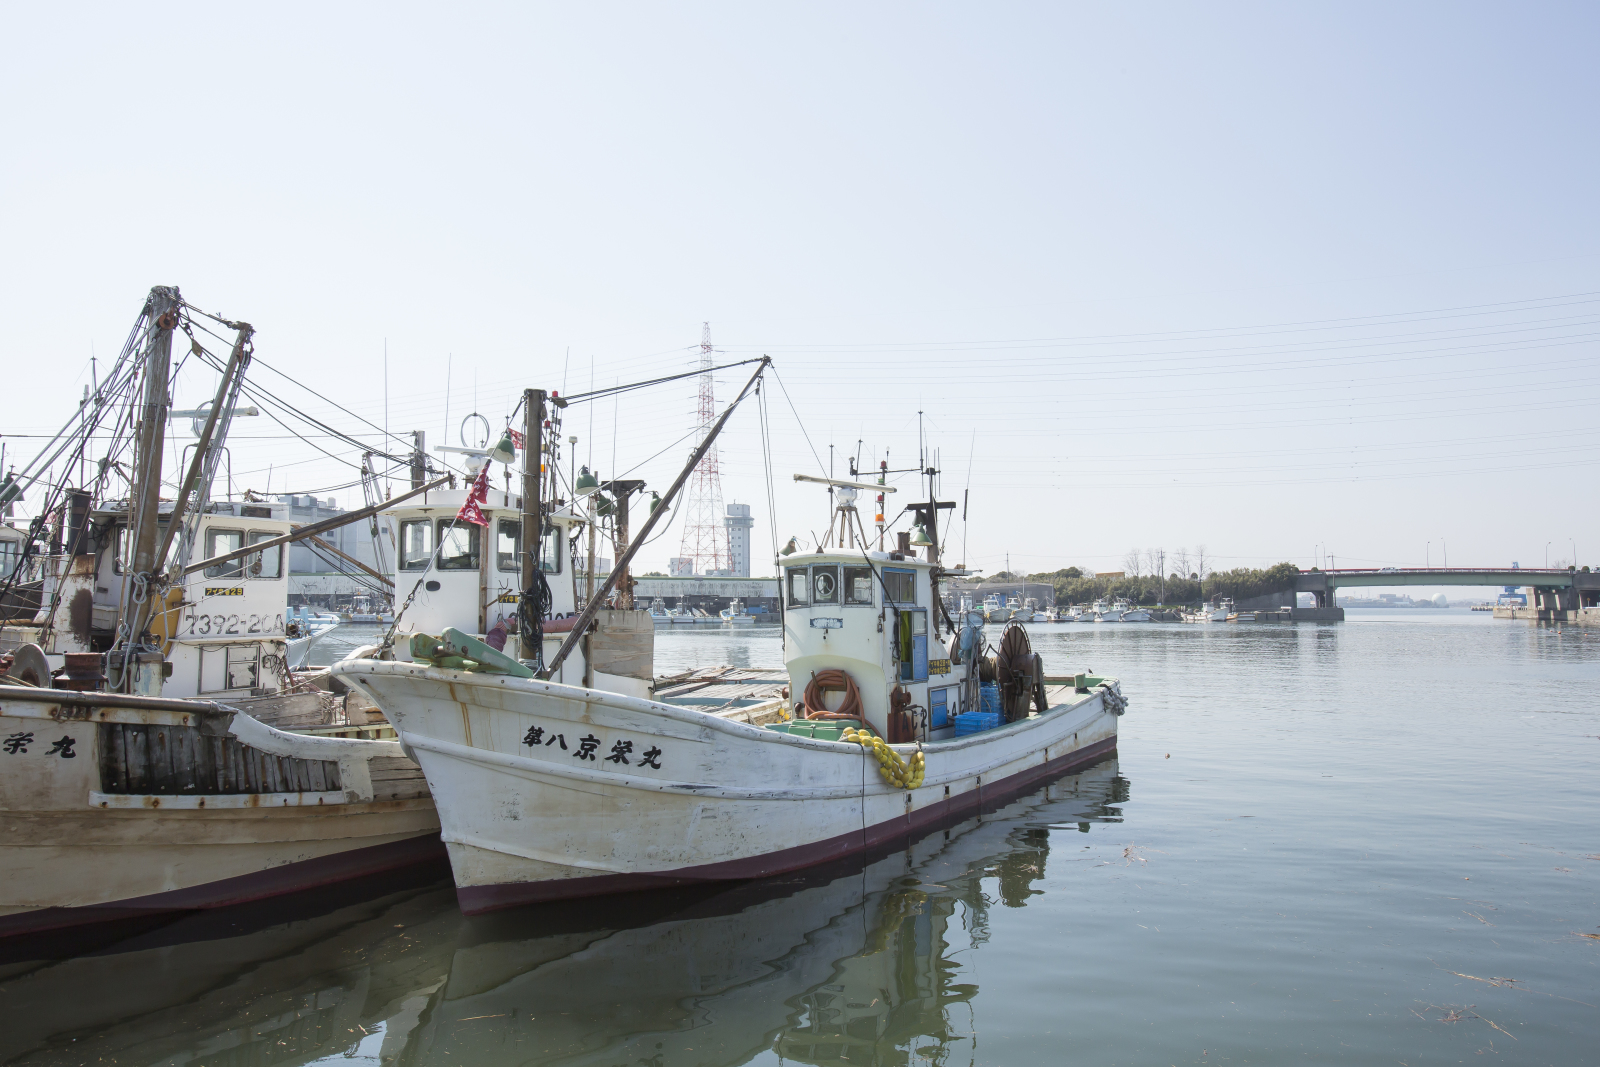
894, 769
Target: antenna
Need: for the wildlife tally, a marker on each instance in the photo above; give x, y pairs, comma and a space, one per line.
705, 531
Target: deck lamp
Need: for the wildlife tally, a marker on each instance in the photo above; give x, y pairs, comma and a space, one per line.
505, 450
655, 501
587, 483
603, 505
919, 537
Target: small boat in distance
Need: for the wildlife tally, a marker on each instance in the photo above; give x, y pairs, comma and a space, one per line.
994, 610
735, 615
1105, 611
1217, 611
1131, 612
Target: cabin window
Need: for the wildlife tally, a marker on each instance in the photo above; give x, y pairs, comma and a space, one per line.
824, 585
508, 545
219, 542
9, 555
458, 545
230, 667
858, 585
267, 563
900, 586
550, 550
799, 587
416, 544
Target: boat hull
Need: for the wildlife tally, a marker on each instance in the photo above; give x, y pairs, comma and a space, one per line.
107, 810
527, 821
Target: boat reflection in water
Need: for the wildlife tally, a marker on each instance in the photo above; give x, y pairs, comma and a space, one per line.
845, 965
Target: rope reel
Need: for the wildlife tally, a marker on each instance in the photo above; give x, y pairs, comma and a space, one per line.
1019, 671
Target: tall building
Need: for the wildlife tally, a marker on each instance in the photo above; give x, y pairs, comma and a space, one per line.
739, 523
680, 567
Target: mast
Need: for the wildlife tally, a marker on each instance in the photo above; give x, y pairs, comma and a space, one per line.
145, 509
620, 536
196, 490
530, 634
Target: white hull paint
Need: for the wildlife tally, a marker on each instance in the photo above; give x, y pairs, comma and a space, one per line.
76, 849
527, 817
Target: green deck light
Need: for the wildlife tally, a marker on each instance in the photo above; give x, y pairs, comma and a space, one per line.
505, 450
587, 483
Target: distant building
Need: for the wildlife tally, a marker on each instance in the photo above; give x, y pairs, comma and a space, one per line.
680, 567
739, 524
318, 577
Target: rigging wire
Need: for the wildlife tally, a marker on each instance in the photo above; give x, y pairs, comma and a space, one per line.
596, 394
766, 465
801, 422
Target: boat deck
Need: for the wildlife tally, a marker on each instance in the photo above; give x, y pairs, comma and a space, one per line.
722, 688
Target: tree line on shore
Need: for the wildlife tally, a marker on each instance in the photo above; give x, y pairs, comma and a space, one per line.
1073, 587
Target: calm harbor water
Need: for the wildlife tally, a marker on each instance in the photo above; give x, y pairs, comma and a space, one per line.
1376, 842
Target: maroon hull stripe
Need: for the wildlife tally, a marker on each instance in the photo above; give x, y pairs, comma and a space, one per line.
477, 899
241, 889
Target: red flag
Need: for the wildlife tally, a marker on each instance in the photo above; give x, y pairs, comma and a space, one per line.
516, 438
472, 510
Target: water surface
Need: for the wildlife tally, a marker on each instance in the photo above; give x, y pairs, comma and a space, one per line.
1368, 843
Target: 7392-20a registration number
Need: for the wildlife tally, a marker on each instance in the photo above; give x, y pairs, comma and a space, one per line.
221, 625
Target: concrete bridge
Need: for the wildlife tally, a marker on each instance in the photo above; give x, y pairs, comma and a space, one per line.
1557, 594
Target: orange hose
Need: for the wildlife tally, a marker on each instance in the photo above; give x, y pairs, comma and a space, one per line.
835, 681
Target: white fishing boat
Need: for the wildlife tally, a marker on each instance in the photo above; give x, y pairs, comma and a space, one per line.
659, 615
1131, 612
1105, 611
143, 772
550, 789
994, 609
735, 615
301, 636
118, 807
1217, 611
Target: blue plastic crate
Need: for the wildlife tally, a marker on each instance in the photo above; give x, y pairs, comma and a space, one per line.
972, 722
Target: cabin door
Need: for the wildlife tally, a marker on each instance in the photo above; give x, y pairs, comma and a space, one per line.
914, 645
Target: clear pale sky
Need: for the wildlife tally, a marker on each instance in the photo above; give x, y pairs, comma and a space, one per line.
1280, 280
